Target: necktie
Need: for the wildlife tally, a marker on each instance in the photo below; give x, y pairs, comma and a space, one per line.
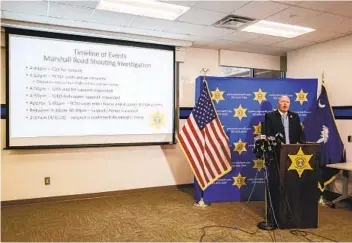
286, 127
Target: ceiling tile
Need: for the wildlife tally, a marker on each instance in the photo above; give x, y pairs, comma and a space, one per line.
24, 17
71, 23
241, 36
198, 38
95, 27
220, 6
293, 15
289, 2
115, 30
182, 3
293, 43
323, 21
86, 4
150, 23
154, 33
344, 9
166, 25
65, 11
267, 40
201, 16
344, 27
113, 18
323, 6
185, 28
260, 9
215, 32
27, 7
319, 35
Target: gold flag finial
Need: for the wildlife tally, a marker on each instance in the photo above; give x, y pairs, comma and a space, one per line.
204, 71
323, 77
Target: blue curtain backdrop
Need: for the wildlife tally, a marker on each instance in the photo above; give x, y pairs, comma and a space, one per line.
241, 104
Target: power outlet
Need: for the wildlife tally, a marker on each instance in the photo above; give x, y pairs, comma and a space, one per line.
349, 139
47, 181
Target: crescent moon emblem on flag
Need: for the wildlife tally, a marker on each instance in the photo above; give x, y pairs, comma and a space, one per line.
321, 105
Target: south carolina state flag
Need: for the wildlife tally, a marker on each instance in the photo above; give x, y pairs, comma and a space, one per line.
320, 127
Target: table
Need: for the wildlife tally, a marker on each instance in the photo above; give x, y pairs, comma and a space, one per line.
345, 167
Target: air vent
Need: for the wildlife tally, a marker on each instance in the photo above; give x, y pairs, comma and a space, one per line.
233, 22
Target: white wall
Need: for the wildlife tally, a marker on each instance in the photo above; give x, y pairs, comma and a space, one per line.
194, 59
250, 60
334, 58
92, 170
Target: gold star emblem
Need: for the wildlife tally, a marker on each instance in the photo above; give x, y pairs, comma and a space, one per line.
300, 162
260, 96
239, 181
240, 112
157, 119
257, 129
258, 164
301, 97
240, 147
217, 95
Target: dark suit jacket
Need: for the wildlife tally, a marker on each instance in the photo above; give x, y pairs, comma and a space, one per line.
273, 125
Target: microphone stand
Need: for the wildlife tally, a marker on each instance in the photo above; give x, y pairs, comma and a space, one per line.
265, 225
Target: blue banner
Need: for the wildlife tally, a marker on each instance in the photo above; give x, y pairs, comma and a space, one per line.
241, 104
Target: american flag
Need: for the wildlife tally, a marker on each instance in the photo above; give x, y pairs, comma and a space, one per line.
205, 143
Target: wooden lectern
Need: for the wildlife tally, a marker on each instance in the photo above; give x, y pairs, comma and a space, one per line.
293, 187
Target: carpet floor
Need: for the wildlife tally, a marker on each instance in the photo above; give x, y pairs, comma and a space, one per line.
158, 216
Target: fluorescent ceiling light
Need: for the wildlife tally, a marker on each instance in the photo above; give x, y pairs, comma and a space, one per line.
148, 8
277, 29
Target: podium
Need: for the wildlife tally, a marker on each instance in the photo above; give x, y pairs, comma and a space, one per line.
293, 187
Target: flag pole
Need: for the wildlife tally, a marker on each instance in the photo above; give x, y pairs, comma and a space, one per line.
321, 200
201, 202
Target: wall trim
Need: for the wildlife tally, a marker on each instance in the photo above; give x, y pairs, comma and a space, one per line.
340, 112
87, 196
3, 111
185, 112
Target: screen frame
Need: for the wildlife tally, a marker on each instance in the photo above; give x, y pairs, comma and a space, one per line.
89, 39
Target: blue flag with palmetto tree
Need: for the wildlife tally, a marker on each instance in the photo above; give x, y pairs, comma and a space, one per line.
320, 127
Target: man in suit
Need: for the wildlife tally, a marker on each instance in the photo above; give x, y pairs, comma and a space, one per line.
284, 122
287, 123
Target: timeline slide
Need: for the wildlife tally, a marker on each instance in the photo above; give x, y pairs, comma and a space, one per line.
76, 92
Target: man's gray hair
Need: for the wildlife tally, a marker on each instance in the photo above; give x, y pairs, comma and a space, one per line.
283, 96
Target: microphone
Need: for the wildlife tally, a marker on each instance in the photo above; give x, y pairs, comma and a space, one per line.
262, 145
279, 134
259, 147
259, 137
279, 137
272, 140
